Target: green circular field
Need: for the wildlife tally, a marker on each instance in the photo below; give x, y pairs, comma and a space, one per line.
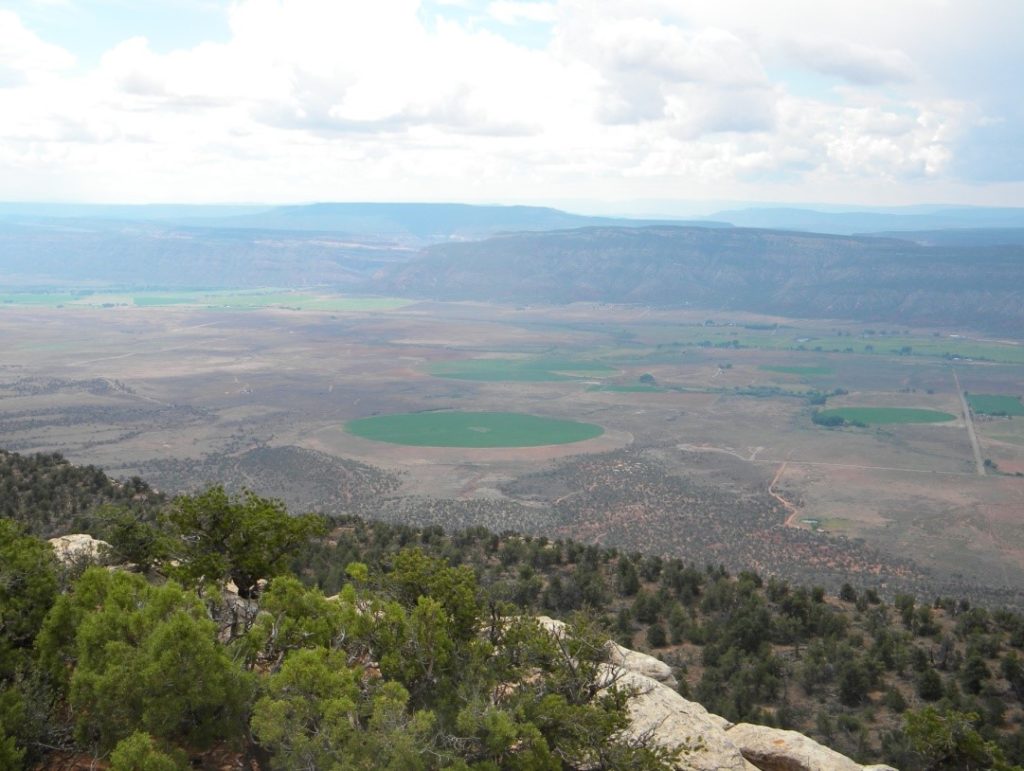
876, 415
471, 429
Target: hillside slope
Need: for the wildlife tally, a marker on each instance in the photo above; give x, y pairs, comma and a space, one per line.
762, 271
337, 244
864, 220
151, 255
866, 677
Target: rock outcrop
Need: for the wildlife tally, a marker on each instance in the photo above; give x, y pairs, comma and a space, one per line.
707, 742
658, 712
78, 546
640, 663
773, 749
552, 625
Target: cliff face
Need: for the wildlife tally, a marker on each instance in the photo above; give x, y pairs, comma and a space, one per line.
707, 742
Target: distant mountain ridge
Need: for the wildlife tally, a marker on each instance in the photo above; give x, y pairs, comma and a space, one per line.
776, 272
420, 223
971, 278
854, 222
335, 244
427, 221
436, 222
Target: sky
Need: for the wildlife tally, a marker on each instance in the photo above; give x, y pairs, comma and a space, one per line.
602, 103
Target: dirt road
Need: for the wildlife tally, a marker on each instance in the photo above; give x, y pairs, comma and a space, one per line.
969, 421
792, 512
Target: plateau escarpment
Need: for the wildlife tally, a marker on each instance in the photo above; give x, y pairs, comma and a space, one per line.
795, 274
970, 281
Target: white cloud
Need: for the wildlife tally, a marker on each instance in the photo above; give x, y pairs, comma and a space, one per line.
694, 111
23, 56
674, 54
699, 81
517, 11
855, 63
315, 99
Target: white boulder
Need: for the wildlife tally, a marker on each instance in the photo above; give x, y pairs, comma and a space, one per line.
77, 546
552, 625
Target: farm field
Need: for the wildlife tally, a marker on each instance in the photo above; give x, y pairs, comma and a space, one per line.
471, 429
993, 404
716, 460
873, 416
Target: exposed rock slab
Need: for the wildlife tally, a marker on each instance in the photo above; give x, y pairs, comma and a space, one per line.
641, 663
774, 749
720, 721
707, 742
674, 722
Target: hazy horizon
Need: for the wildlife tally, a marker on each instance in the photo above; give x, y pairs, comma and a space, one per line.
639, 209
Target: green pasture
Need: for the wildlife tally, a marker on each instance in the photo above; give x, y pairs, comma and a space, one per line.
519, 370
995, 404
882, 415
471, 429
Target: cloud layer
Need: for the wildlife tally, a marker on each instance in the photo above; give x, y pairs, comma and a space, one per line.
528, 100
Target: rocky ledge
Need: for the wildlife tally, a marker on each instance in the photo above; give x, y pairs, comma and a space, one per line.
707, 742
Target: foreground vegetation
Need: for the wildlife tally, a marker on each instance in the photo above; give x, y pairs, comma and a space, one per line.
407, 668
424, 656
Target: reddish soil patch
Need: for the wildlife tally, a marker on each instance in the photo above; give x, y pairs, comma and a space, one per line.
1011, 466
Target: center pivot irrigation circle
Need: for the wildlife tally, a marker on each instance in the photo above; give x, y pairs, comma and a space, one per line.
471, 429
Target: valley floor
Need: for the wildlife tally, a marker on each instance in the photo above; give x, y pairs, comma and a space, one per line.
712, 457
